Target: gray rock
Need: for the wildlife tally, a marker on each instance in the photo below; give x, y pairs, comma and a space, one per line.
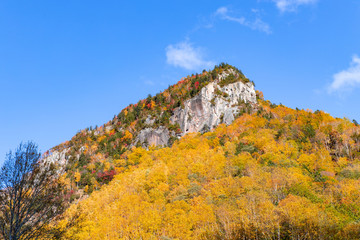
109, 128
151, 136
149, 121
57, 157
210, 109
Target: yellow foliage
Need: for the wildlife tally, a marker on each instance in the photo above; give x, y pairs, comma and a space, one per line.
107, 166
127, 136
77, 176
101, 138
283, 176
91, 166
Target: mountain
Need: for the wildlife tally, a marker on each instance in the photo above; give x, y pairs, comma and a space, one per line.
197, 103
209, 158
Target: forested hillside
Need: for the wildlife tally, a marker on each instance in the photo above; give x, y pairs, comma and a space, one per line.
277, 173
94, 155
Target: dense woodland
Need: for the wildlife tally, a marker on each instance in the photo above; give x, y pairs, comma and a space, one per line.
278, 173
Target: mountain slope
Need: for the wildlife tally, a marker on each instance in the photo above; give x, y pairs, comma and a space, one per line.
278, 173
197, 103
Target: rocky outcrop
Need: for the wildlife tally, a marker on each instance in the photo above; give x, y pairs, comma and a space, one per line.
149, 121
58, 157
213, 105
151, 136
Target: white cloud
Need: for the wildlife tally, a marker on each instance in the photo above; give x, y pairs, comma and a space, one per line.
347, 79
184, 55
222, 11
257, 24
291, 5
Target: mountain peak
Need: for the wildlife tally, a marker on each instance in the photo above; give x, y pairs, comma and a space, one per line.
196, 103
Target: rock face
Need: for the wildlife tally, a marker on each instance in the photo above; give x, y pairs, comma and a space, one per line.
157, 137
57, 157
212, 106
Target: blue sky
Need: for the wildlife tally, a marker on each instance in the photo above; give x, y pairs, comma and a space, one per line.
67, 65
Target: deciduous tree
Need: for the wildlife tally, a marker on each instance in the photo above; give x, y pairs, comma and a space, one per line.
30, 195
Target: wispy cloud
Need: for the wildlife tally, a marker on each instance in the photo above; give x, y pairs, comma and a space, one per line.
291, 5
347, 79
184, 55
149, 83
257, 24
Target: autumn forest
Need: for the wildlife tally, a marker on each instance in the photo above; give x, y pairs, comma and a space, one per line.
274, 173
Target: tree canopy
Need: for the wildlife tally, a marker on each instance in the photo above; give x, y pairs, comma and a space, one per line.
279, 173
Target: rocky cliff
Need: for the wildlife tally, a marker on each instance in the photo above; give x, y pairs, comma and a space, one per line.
150, 136
214, 104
